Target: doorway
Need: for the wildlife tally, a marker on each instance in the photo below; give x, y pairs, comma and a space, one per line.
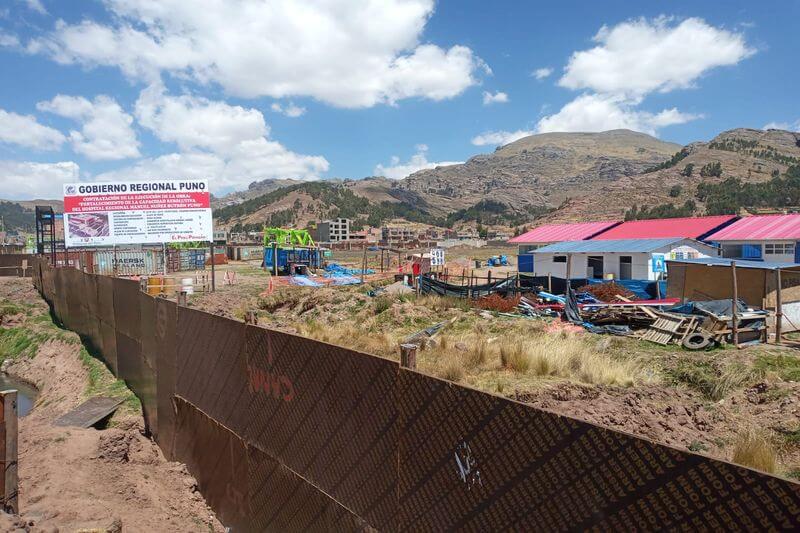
595, 263
625, 267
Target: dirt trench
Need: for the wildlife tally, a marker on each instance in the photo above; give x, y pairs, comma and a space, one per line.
73, 479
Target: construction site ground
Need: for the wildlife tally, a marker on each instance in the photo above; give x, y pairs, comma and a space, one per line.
733, 404
74, 479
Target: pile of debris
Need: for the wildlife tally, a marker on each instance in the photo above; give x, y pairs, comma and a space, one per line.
693, 325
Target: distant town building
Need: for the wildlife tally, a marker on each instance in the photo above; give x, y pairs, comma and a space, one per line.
391, 235
336, 230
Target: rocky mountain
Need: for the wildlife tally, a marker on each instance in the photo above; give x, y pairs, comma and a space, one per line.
540, 171
19, 215
511, 186
749, 156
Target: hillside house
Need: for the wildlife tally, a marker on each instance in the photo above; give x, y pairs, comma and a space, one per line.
616, 259
771, 238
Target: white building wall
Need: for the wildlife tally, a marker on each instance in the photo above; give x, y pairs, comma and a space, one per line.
771, 257
641, 262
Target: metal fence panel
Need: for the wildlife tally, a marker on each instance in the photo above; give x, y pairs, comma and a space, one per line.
329, 414
126, 307
11, 264
280, 500
147, 326
139, 377
105, 299
211, 366
217, 459
109, 346
473, 461
166, 342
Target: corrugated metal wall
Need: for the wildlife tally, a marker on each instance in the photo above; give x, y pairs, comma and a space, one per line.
285, 433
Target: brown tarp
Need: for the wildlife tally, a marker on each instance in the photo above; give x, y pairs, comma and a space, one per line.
328, 414
473, 461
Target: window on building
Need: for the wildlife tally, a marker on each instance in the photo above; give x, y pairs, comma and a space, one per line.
559, 259
779, 249
625, 267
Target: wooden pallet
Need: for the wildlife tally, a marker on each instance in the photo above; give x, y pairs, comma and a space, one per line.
670, 328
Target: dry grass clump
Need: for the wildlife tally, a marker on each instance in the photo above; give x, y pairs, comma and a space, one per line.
753, 448
567, 356
452, 368
347, 335
515, 356
477, 352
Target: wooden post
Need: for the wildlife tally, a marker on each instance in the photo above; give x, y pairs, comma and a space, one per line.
364, 264
569, 272
274, 258
778, 309
550, 282
213, 271
182, 298
489, 278
251, 317
408, 356
10, 478
734, 301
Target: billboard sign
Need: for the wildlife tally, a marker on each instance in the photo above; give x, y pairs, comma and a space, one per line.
137, 212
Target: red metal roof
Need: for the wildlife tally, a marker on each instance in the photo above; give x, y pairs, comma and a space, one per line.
757, 228
662, 228
563, 232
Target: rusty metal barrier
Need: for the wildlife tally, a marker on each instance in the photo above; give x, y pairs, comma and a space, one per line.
329, 415
285, 433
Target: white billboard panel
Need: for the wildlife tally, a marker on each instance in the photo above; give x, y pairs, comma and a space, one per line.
137, 212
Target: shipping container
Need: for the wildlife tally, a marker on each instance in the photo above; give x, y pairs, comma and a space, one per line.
127, 262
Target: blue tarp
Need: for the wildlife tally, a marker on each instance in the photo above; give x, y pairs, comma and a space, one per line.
335, 270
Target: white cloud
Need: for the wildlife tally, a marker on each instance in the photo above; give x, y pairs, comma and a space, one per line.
8, 40
225, 143
640, 56
496, 98
25, 180
106, 129
591, 112
634, 59
542, 73
793, 126
256, 159
25, 130
36, 5
350, 54
290, 110
499, 138
195, 122
397, 170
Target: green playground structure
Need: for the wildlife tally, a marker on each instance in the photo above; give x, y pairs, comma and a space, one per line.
287, 237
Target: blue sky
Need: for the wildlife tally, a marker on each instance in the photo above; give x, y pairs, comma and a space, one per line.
240, 90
